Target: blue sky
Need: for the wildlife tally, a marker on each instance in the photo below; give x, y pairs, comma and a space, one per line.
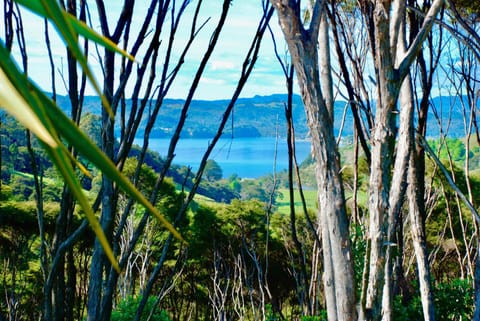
222, 71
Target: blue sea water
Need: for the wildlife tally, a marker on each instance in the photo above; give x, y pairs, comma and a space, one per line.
246, 157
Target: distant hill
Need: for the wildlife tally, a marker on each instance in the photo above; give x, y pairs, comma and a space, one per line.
264, 116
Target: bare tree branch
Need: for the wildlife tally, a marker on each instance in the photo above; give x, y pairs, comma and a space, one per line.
416, 46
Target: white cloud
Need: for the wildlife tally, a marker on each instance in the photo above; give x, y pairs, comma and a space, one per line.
213, 81
222, 65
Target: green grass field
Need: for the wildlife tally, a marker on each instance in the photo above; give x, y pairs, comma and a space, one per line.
283, 202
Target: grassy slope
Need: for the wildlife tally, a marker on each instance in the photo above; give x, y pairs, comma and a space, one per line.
283, 201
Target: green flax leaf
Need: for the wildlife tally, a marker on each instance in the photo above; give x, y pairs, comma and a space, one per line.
79, 26
20, 97
55, 14
41, 115
15, 105
62, 161
89, 150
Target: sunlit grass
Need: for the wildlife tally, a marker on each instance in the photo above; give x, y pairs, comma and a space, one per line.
283, 202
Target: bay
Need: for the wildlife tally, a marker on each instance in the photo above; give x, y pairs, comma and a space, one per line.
245, 157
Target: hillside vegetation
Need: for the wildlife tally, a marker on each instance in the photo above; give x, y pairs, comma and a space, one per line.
226, 214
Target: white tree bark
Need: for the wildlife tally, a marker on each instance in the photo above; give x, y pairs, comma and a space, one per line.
382, 150
403, 152
384, 198
326, 64
389, 78
419, 245
339, 282
397, 193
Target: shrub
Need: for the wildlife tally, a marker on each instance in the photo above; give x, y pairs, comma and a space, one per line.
321, 317
453, 301
271, 315
127, 308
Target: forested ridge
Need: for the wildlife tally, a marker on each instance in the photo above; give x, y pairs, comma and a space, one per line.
379, 223
251, 115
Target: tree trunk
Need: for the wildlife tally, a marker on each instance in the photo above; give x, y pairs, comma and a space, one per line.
382, 155
389, 76
399, 178
476, 313
338, 278
397, 193
419, 242
99, 263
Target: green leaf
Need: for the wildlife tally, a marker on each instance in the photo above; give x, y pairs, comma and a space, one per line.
51, 10
15, 105
20, 97
79, 26
28, 104
90, 151
91, 34
57, 122
62, 161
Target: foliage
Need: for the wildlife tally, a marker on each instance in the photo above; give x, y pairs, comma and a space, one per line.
23, 215
242, 218
253, 190
22, 186
407, 311
321, 317
234, 183
453, 147
91, 124
127, 309
445, 210
146, 178
261, 189
212, 171
15, 155
453, 301
217, 191
203, 230
5, 192
467, 7
359, 247
271, 315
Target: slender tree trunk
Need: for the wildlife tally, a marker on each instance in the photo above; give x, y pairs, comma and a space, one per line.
416, 189
476, 313
99, 263
339, 281
399, 178
390, 74
325, 64
303, 279
382, 154
397, 193
419, 241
